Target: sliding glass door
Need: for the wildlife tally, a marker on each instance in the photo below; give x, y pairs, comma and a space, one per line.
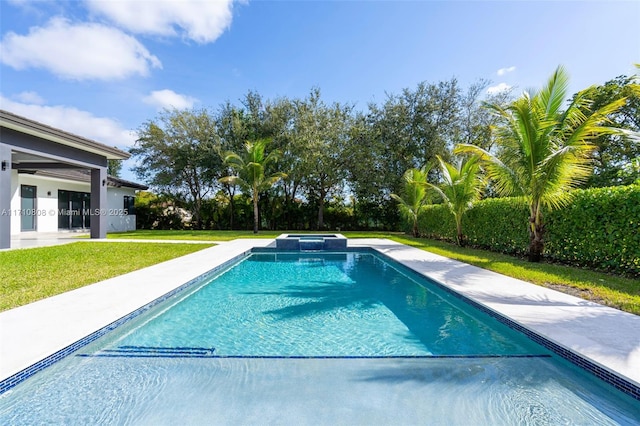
73, 210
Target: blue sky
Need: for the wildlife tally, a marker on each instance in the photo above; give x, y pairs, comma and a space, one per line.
100, 68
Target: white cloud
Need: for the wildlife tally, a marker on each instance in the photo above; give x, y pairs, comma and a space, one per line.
169, 99
498, 88
503, 71
198, 20
82, 123
78, 51
29, 98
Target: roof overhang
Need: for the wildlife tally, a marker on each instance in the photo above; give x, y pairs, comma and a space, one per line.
81, 175
34, 128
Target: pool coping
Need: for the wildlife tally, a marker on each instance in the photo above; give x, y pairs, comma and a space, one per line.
40, 333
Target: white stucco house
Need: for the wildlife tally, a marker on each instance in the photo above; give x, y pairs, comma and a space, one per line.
52, 180
61, 200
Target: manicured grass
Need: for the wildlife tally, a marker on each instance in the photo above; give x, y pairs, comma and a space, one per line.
33, 274
192, 235
230, 235
22, 284
611, 290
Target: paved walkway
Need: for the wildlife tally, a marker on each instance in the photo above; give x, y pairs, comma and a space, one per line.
606, 336
47, 239
146, 240
43, 239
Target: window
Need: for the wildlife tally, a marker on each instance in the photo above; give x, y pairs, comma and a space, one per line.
28, 205
129, 204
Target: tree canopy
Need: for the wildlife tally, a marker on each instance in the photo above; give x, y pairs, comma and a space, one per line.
614, 153
177, 153
339, 164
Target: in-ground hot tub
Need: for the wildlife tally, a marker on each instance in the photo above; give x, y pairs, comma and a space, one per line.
302, 242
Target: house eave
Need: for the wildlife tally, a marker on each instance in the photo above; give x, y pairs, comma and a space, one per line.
42, 131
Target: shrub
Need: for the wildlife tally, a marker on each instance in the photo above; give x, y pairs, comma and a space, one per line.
159, 212
436, 221
499, 224
599, 229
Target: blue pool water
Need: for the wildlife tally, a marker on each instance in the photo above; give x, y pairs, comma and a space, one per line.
324, 305
315, 338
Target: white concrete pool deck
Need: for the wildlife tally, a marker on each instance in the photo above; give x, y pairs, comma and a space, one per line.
606, 336
27, 240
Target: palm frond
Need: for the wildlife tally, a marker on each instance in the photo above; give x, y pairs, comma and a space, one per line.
552, 96
234, 180
233, 160
506, 179
414, 193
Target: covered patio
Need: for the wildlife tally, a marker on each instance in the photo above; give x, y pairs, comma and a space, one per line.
27, 146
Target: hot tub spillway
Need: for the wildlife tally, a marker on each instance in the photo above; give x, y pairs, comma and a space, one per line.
311, 242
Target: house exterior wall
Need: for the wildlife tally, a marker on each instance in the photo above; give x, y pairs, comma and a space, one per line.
47, 205
118, 221
15, 197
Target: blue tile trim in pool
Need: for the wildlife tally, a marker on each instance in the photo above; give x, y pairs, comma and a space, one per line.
20, 376
587, 365
201, 353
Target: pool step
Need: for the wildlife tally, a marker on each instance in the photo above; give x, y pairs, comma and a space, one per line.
153, 352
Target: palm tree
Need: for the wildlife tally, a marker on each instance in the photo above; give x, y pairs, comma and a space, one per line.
543, 151
414, 195
462, 187
251, 172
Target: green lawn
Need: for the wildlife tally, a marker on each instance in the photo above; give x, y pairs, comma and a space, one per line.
229, 235
33, 274
618, 292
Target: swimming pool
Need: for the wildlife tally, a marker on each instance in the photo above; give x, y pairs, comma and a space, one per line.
315, 338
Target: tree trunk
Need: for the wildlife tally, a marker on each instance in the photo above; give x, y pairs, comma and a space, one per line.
287, 209
230, 193
231, 210
197, 218
321, 213
536, 237
460, 236
255, 214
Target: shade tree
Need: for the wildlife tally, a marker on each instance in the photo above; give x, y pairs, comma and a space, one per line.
321, 135
615, 154
177, 153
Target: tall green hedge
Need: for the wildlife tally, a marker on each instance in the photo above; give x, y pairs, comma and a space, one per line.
499, 224
436, 221
600, 228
